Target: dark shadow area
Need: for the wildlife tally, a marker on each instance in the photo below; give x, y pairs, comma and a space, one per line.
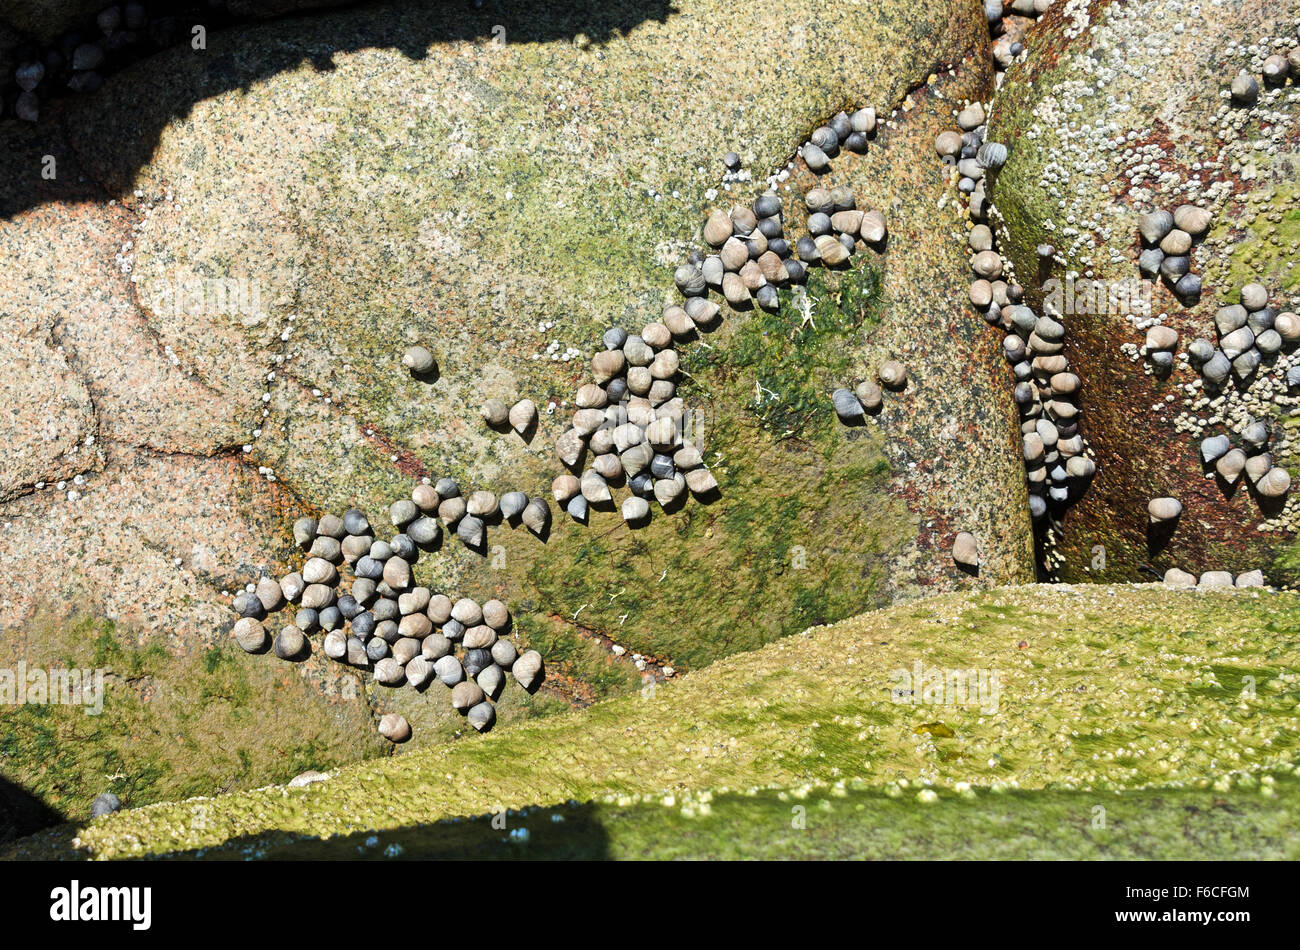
1158, 535
133, 108
23, 813
560, 833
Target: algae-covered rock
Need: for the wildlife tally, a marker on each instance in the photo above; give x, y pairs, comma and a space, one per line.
1038, 688
235, 281
1122, 109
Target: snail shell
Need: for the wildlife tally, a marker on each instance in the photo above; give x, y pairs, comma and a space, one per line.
1149, 261
733, 255
418, 360
1080, 467
537, 516
656, 335
1217, 368
482, 504
1246, 364
568, 449
1214, 448
892, 374
1230, 466
702, 312
1254, 296
972, 117
1245, 89
1176, 242
772, 267
578, 509
690, 280
734, 289
607, 364
1164, 509
826, 139
523, 416
1232, 317
639, 380
687, 457
819, 201
992, 155
607, 465
594, 487
1154, 226
1255, 435
752, 275
1258, 465
767, 205
1161, 338
1237, 342
872, 229
947, 143
863, 120
564, 487
1287, 325
587, 421
847, 222
635, 510
471, 532
1275, 483
712, 269
987, 264
743, 220
717, 228
815, 158
1193, 220
677, 320
831, 251
847, 406
869, 394
495, 412
590, 396
965, 550
701, 481
1200, 351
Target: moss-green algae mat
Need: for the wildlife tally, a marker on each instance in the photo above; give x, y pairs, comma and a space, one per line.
843, 822
1099, 688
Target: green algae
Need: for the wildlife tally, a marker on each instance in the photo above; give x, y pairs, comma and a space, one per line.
1161, 704
170, 727
845, 821
1267, 247
804, 524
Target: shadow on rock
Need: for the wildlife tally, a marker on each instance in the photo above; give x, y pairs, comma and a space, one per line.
132, 108
22, 812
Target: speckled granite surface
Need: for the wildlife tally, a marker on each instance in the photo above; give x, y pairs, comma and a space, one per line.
384, 176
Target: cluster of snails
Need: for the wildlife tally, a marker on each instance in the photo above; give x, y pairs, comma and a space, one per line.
1211, 579
1168, 240
1046, 392
398, 631
1252, 458
635, 426
851, 405
78, 60
1249, 333
851, 132
752, 257
1008, 32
